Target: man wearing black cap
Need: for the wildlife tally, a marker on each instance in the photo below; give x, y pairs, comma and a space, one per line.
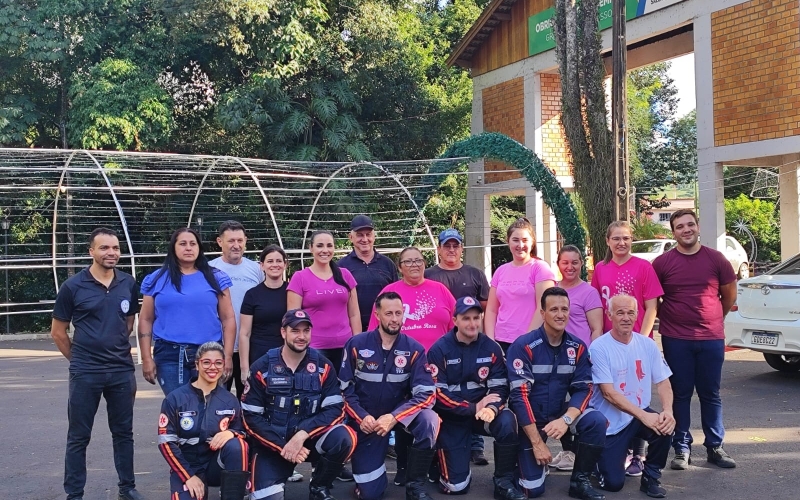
371, 270
471, 392
293, 409
462, 280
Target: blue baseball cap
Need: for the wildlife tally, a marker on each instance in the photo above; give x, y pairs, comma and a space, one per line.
294, 317
361, 222
464, 304
450, 234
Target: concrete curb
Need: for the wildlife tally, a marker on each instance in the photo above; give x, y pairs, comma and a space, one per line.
25, 336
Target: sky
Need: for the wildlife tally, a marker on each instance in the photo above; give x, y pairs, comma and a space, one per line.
682, 71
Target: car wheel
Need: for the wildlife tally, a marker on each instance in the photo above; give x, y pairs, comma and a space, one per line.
783, 362
744, 271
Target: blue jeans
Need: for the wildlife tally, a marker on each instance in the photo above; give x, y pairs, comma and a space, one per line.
85, 391
695, 364
174, 364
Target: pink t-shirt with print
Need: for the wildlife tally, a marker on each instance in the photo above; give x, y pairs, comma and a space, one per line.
428, 310
326, 302
636, 278
515, 288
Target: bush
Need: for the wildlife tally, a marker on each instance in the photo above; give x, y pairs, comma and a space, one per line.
762, 219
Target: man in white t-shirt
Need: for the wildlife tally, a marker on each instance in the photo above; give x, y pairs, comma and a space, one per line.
244, 274
625, 365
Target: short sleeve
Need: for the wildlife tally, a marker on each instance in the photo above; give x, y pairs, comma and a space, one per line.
726, 273
149, 283
540, 271
348, 278
652, 286
62, 310
601, 369
296, 283
661, 370
134, 300
223, 280
592, 299
497, 275
483, 288
248, 305
596, 276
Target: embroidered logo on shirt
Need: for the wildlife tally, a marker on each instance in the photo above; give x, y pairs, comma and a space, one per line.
360, 364
535, 343
517, 364
187, 423
223, 424
483, 372
162, 420
571, 355
454, 361
311, 367
371, 365
278, 368
125, 306
483, 360
225, 412
402, 353
433, 369
366, 353
400, 361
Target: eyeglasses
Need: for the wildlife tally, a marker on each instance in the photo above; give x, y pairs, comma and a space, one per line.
617, 239
412, 262
207, 363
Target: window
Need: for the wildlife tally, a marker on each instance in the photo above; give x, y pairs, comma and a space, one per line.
667, 246
664, 216
729, 244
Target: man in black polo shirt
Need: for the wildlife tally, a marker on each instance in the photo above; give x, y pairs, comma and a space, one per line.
371, 270
101, 302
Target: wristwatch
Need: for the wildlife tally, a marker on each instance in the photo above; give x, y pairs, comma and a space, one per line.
567, 419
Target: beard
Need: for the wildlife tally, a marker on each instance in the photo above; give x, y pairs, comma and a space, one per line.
386, 329
294, 349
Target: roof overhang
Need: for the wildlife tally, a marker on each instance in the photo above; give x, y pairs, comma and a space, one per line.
496, 12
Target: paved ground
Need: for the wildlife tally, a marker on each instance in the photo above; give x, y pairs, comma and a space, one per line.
762, 410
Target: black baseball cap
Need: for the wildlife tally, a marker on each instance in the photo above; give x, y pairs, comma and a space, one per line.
464, 304
361, 222
294, 317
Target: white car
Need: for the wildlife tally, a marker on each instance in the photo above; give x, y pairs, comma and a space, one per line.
736, 255
766, 317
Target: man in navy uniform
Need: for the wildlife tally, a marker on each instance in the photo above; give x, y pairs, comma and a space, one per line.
471, 392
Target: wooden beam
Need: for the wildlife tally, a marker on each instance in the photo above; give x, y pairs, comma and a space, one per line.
502, 16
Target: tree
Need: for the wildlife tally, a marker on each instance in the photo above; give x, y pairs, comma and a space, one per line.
762, 219
583, 113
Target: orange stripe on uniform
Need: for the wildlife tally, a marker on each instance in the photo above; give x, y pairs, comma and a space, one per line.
417, 407
354, 437
585, 403
243, 444
268, 444
352, 413
173, 462
447, 401
324, 374
443, 467
524, 389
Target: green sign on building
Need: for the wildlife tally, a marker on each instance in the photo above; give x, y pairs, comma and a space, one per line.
541, 37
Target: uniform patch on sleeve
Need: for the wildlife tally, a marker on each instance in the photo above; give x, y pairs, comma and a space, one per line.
433, 369
517, 364
163, 420
483, 372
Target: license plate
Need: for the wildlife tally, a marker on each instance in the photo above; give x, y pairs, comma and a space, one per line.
763, 338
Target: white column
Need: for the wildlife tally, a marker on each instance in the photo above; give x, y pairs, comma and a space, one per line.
712, 205
477, 232
534, 211
790, 210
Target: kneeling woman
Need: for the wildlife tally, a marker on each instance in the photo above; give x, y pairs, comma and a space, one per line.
201, 436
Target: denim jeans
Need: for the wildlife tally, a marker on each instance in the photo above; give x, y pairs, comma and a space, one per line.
85, 390
695, 365
174, 364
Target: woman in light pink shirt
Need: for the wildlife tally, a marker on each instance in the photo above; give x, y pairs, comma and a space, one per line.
328, 293
585, 308
516, 288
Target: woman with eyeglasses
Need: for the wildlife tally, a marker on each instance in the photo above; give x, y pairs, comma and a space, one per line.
186, 303
327, 293
200, 433
516, 288
623, 273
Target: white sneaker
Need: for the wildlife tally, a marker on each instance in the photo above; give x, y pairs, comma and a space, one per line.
567, 461
557, 459
296, 477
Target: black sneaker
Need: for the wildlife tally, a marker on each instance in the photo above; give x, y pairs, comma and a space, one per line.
652, 487
130, 495
720, 458
681, 461
391, 452
400, 477
478, 458
346, 475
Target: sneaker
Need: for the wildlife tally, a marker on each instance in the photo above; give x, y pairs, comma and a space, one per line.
478, 458
345, 475
400, 477
681, 461
720, 458
391, 452
130, 495
558, 458
635, 468
296, 477
652, 487
567, 461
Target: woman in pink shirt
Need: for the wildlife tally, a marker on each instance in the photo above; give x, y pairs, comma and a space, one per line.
328, 293
429, 305
621, 272
516, 288
585, 308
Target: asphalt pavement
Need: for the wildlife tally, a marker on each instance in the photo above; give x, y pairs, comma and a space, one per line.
762, 416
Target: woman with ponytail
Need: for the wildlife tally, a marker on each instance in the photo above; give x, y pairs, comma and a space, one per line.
327, 293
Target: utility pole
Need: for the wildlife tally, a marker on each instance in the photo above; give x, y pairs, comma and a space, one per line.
619, 110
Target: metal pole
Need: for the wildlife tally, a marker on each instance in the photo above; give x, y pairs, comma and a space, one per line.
619, 110
6, 225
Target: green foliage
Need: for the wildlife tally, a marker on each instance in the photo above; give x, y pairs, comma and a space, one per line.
644, 228
763, 220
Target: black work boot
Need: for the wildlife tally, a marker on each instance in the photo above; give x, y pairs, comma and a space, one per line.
233, 484
505, 462
322, 478
580, 484
417, 473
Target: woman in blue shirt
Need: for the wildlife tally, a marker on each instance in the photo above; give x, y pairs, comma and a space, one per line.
186, 303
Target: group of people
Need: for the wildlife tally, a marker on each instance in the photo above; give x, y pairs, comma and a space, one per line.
445, 353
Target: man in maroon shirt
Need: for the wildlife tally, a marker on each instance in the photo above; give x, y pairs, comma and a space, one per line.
699, 289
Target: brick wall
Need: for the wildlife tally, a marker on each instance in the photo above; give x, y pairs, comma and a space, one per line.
503, 111
554, 147
755, 63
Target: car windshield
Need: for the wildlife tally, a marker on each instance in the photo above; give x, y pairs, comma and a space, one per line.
791, 266
646, 246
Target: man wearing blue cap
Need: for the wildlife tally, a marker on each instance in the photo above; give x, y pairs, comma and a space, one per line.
471, 380
462, 280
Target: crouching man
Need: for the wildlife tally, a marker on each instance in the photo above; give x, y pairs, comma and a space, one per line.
544, 366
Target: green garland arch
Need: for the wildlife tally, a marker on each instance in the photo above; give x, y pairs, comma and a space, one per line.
495, 146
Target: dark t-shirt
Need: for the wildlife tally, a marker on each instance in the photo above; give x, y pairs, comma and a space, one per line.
466, 281
267, 307
100, 317
691, 307
372, 277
